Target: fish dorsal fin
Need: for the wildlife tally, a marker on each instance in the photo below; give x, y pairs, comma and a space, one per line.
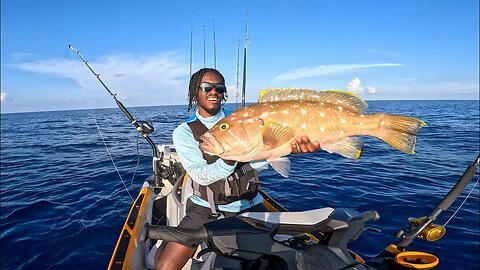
275, 134
281, 94
347, 100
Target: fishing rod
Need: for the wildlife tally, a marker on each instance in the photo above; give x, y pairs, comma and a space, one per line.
424, 227
204, 49
214, 47
144, 128
245, 45
237, 83
191, 49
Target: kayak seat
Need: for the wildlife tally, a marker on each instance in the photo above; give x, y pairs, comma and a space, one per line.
318, 220
307, 218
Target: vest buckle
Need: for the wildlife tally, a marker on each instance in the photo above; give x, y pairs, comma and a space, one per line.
215, 216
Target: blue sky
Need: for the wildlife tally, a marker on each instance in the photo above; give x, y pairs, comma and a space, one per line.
379, 49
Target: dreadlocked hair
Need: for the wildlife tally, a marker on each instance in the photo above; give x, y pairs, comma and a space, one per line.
195, 82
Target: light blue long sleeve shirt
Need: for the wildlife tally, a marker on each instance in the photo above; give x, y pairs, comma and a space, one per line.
200, 171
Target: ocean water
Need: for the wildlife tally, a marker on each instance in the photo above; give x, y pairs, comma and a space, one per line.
63, 203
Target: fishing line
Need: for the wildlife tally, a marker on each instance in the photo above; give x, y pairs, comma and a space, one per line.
98, 127
466, 198
138, 161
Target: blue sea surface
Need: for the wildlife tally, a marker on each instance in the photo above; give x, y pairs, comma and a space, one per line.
63, 204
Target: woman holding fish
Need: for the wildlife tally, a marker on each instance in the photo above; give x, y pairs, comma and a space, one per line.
219, 187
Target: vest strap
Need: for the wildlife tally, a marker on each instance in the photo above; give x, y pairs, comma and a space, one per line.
211, 201
196, 188
243, 183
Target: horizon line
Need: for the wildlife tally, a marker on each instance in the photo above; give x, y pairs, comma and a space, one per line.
249, 103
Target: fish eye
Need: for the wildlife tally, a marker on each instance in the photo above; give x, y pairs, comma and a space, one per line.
224, 126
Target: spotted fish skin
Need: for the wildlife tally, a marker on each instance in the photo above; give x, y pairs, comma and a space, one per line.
333, 118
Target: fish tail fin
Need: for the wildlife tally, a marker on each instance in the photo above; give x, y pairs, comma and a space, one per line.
400, 132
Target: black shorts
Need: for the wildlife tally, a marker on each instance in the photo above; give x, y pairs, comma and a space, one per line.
197, 215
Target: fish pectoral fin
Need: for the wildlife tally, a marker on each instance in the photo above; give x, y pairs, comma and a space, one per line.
349, 147
275, 134
281, 165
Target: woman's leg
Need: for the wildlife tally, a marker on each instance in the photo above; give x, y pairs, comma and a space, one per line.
172, 255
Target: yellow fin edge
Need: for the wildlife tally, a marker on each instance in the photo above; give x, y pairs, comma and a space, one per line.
261, 93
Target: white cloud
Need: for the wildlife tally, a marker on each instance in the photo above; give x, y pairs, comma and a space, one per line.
128, 75
355, 86
328, 70
456, 89
434, 90
4, 97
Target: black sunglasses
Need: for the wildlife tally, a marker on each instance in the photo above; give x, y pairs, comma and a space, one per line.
207, 87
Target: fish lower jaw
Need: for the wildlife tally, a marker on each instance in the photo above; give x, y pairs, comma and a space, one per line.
227, 157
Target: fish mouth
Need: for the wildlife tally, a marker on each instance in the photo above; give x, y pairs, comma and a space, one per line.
210, 145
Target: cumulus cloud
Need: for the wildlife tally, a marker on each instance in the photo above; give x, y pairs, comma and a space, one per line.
355, 86
328, 70
4, 97
125, 74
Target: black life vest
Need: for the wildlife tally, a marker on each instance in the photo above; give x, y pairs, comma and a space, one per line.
243, 183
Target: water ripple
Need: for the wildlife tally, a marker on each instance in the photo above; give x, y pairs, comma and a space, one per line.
63, 204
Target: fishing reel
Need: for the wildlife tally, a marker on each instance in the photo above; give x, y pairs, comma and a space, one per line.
145, 127
432, 232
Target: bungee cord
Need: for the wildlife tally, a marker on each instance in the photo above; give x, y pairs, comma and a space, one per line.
98, 127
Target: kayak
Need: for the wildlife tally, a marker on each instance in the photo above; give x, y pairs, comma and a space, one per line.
279, 239
157, 206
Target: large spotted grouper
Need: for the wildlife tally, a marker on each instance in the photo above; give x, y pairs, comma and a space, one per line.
265, 131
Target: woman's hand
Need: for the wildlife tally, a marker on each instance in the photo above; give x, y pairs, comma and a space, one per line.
303, 145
